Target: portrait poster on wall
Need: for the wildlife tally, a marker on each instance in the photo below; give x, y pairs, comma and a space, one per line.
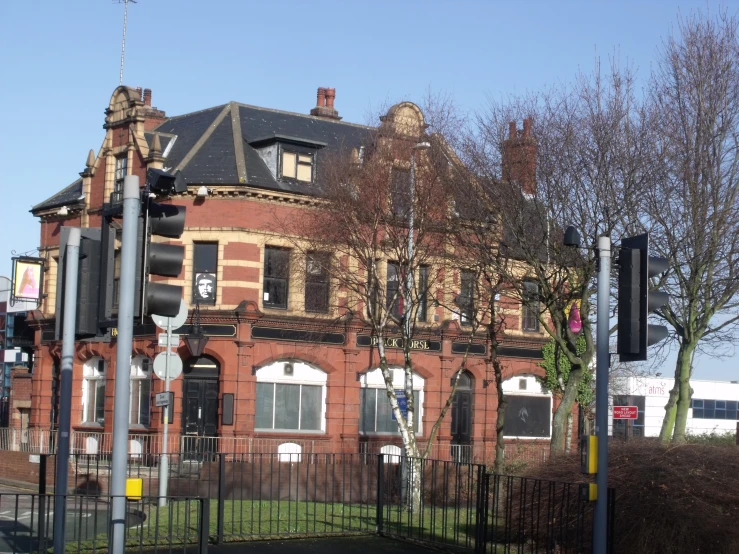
27, 279
204, 288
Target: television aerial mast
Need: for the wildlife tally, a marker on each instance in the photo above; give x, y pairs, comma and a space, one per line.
123, 44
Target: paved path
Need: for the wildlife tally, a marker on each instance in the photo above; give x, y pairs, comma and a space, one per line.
369, 544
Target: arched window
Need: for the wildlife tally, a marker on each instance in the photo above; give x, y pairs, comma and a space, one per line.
140, 413
529, 410
93, 391
291, 396
376, 416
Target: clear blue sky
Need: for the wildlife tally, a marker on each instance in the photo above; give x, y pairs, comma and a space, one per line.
59, 62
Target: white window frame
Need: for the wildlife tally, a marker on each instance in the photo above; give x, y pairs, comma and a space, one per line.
374, 380
302, 374
90, 377
138, 374
533, 388
120, 172
298, 163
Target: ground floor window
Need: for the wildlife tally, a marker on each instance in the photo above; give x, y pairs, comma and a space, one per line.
376, 415
291, 396
528, 414
288, 407
93, 391
629, 427
140, 405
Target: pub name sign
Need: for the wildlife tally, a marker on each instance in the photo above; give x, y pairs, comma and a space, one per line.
397, 342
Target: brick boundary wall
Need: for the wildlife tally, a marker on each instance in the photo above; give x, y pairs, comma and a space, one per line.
18, 467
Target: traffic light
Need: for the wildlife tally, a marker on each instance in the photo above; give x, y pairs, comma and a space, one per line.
636, 301
164, 220
88, 283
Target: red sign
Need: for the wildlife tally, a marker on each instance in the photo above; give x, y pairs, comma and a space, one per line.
625, 412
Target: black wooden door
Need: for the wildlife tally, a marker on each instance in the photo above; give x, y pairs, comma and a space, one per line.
201, 407
462, 417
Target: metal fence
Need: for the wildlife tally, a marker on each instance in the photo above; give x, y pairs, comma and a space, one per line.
27, 522
145, 447
257, 496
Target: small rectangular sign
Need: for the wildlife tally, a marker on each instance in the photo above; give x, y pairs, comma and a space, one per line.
174, 342
161, 399
625, 412
402, 404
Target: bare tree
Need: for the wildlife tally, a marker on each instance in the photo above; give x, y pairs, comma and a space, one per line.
579, 164
380, 220
693, 210
474, 232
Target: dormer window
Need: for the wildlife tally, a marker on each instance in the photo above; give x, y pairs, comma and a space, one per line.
297, 166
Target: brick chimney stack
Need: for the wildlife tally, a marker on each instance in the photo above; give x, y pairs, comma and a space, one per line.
147, 96
519, 157
325, 104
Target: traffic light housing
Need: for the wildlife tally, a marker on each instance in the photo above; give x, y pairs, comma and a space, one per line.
636, 301
166, 260
88, 284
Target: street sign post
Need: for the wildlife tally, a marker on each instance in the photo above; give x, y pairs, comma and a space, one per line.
167, 366
625, 412
169, 340
161, 399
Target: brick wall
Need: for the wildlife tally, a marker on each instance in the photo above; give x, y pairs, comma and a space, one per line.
16, 466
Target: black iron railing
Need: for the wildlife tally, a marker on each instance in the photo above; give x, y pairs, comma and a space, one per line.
27, 523
253, 496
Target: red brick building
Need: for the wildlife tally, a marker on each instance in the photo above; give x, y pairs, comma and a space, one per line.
291, 375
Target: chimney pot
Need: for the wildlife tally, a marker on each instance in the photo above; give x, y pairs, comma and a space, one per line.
512, 130
330, 97
321, 97
147, 96
527, 127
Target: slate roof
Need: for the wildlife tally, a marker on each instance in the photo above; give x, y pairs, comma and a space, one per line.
65, 197
207, 147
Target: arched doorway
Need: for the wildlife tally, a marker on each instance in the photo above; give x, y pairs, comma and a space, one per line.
462, 419
200, 405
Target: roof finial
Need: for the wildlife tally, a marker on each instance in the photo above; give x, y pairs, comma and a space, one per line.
90, 159
156, 146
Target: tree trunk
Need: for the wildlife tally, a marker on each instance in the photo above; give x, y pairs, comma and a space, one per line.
414, 503
568, 439
682, 382
500, 423
668, 423
559, 423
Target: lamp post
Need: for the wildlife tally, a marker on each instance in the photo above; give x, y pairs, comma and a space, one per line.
411, 223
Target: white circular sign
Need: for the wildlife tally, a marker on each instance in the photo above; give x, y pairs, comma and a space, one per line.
160, 365
176, 321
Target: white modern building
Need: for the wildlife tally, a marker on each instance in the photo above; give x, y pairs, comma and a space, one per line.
713, 407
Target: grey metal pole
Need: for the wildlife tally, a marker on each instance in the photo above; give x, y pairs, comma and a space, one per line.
72, 260
411, 223
164, 459
131, 209
603, 362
